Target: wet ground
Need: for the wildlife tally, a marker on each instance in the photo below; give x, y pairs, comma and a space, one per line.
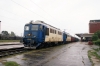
72, 54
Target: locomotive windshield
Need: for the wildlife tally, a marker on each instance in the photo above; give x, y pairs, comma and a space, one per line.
34, 27
26, 27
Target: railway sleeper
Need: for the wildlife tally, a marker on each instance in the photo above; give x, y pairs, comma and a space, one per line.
6, 53
11, 52
1, 54
16, 52
19, 50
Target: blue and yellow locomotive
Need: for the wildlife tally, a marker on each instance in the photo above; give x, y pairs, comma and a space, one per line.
40, 34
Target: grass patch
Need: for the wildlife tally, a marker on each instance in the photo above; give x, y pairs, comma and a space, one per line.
97, 55
11, 63
96, 49
93, 53
89, 56
9, 40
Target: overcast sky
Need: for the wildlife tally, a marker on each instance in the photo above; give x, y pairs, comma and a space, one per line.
71, 15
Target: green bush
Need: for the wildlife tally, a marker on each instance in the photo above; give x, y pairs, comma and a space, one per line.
94, 37
97, 42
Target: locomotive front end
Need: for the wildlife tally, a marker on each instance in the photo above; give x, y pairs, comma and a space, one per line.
32, 35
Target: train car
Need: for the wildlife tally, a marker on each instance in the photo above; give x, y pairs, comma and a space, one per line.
72, 39
76, 39
40, 34
68, 40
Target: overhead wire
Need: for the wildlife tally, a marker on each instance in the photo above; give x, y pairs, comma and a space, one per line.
28, 9
42, 9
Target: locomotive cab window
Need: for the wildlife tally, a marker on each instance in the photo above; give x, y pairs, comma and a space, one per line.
34, 27
41, 27
26, 27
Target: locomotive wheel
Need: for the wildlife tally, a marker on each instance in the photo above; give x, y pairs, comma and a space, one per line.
41, 46
46, 45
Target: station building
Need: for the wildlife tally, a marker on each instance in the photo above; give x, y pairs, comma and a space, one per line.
94, 25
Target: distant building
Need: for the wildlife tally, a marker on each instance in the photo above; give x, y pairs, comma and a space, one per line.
94, 25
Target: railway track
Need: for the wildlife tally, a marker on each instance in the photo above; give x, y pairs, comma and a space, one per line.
11, 49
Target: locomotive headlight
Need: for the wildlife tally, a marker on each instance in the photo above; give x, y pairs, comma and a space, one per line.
29, 34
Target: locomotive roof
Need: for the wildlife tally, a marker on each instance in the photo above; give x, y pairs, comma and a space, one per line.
46, 24
42, 22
